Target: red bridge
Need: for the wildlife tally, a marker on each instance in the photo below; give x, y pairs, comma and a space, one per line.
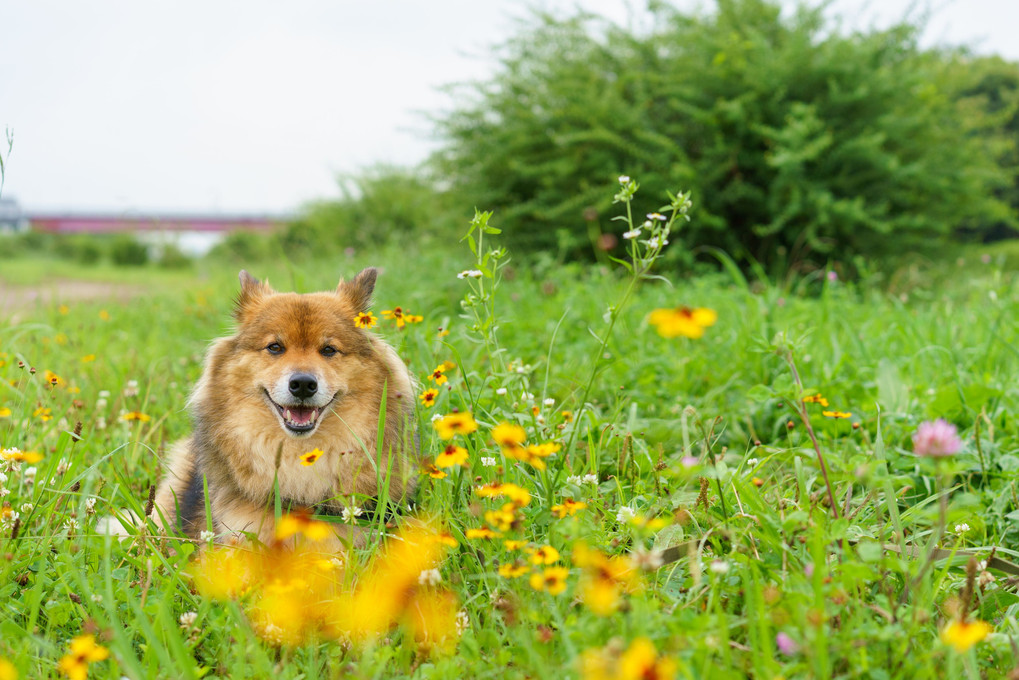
105, 224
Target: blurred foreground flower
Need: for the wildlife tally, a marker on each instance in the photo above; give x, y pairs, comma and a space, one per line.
936, 439
690, 323
640, 661
84, 651
604, 579
454, 424
964, 634
292, 596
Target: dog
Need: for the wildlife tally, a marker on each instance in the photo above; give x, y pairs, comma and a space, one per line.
298, 375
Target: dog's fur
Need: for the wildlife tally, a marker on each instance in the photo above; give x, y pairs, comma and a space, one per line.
255, 413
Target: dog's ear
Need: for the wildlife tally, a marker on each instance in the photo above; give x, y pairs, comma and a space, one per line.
251, 290
359, 291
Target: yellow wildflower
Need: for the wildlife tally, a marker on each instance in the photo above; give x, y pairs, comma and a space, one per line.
513, 570
545, 554
454, 424
365, 320
567, 507
690, 323
300, 522
136, 415
84, 651
453, 455
836, 414
964, 634
552, 580
483, 532
5, 412
428, 397
310, 457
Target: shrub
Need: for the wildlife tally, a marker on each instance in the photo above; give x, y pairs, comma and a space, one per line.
795, 139
127, 251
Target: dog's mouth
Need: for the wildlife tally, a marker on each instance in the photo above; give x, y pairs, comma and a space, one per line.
298, 419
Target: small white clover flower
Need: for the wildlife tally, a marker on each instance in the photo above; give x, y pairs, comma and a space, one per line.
549, 402
188, 619
104, 394
430, 577
501, 391
648, 560
752, 462
71, 524
462, 621
488, 461
961, 528
719, 567
590, 479
29, 473
4, 492
350, 514
3, 478
470, 274
623, 179
90, 506
436, 416
207, 536
625, 514
526, 396
27, 507
573, 479
96, 598
632, 234
63, 466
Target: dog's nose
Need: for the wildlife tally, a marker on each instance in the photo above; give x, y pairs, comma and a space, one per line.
303, 385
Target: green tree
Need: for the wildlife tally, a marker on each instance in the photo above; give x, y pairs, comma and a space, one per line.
797, 140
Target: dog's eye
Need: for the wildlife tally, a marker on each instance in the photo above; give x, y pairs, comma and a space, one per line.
328, 351
275, 348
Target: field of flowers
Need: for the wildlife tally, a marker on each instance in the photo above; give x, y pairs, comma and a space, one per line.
625, 474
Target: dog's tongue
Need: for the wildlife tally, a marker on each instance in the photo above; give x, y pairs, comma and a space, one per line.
301, 416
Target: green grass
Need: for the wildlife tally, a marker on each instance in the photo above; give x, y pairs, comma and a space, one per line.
761, 552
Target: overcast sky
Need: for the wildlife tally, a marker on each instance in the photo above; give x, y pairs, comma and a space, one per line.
255, 106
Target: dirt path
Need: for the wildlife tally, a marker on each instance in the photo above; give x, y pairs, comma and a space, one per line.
15, 300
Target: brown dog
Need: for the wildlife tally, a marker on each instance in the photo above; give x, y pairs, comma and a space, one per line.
298, 375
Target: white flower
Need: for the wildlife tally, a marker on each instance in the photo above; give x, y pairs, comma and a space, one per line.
648, 560
487, 461
90, 506
3, 478
8, 519
29, 474
63, 466
349, 514
462, 621
96, 598
961, 528
657, 242
590, 479
632, 234
131, 389
470, 274
752, 462
501, 391
27, 507
719, 566
526, 396
430, 577
103, 394
656, 216
71, 524
207, 536
549, 402
100, 403
648, 224
437, 416
625, 514
187, 619
623, 179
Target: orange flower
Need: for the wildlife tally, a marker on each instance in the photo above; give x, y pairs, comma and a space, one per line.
836, 414
816, 399
568, 507
428, 397
519, 496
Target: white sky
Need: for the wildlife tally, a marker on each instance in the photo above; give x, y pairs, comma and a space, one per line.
255, 105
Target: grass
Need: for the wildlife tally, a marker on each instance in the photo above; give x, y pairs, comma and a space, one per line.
703, 442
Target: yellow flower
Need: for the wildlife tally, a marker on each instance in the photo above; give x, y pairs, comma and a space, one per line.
690, 323
52, 378
533, 455
84, 651
7, 670
365, 320
104, 315
42, 413
964, 634
503, 518
453, 455
135, 415
640, 662
510, 544
836, 414
401, 316
509, 436
551, 580
63, 309
310, 457
88, 358
483, 532
513, 570
518, 495
568, 507
428, 397
454, 424
545, 554
300, 522
445, 538
816, 399
5, 412
604, 579
567, 416
30, 457
432, 471
439, 374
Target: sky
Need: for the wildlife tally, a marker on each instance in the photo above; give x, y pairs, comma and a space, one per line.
258, 106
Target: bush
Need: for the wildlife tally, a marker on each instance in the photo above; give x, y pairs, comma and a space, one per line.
172, 257
795, 139
126, 251
244, 246
83, 248
380, 205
